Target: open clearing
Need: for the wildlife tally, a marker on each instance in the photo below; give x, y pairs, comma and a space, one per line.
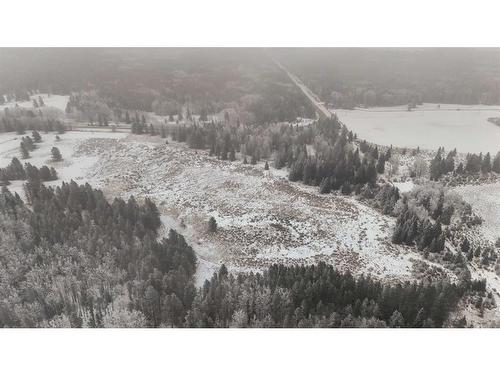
463, 127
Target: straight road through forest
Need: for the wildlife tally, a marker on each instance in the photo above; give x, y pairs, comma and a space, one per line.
320, 108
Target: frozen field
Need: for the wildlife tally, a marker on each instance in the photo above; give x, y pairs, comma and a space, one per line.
463, 127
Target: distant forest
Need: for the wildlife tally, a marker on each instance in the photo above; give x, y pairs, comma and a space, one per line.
349, 77
244, 82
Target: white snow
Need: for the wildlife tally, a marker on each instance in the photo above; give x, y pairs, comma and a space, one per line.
405, 187
72, 167
427, 127
55, 101
485, 201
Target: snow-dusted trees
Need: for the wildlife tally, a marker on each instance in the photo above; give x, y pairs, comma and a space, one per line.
110, 270
420, 167
392, 165
318, 296
103, 259
56, 154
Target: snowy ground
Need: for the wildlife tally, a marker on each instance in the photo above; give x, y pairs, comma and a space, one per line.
491, 317
72, 166
485, 201
262, 217
55, 101
463, 127
405, 187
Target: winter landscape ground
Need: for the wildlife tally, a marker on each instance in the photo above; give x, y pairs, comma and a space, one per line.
263, 217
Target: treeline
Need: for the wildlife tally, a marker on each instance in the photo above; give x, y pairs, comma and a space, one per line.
319, 296
224, 140
362, 77
89, 106
22, 96
16, 171
20, 120
483, 255
474, 164
336, 162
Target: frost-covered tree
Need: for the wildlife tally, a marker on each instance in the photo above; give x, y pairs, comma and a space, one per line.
56, 154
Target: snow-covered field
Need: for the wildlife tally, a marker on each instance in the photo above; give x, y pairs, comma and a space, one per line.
428, 127
72, 166
485, 201
55, 101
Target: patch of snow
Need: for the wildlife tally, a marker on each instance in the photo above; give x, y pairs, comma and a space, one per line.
404, 187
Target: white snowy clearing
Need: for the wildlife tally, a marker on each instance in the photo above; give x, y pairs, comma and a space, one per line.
428, 127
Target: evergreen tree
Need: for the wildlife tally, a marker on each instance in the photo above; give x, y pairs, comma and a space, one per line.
486, 164
24, 151
56, 154
36, 136
212, 225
